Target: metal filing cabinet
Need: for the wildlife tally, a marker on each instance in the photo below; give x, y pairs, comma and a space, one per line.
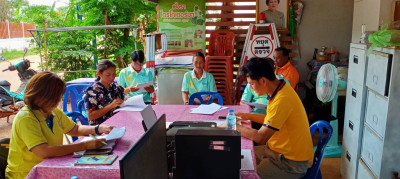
374, 150
354, 114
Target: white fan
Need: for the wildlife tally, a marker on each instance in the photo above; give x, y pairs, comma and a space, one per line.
327, 85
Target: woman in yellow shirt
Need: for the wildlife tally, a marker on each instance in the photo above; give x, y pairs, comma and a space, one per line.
38, 128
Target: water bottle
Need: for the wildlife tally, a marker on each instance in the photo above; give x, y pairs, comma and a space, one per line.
231, 120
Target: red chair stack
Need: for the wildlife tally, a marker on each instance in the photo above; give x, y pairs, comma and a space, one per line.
219, 62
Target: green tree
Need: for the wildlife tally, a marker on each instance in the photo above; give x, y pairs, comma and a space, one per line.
118, 42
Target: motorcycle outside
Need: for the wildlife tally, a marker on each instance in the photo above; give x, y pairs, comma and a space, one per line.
11, 102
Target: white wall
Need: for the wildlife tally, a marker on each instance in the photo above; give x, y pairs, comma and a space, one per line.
324, 23
15, 44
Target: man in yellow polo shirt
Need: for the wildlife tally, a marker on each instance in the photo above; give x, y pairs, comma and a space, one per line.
284, 67
285, 139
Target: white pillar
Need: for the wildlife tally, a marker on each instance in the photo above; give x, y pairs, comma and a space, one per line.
9, 33
23, 30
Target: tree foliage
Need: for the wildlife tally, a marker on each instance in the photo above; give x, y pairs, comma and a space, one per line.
74, 50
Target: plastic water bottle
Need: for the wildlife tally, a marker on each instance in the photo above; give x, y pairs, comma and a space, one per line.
231, 120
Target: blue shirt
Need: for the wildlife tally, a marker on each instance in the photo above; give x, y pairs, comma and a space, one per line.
192, 84
129, 77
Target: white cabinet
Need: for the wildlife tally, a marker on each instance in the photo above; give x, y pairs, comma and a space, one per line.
371, 136
354, 112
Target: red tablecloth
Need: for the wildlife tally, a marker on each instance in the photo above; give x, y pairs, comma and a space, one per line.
63, 167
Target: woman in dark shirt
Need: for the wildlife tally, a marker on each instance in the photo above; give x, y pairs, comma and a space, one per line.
104, 95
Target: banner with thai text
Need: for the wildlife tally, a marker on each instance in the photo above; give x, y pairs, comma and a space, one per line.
183, 21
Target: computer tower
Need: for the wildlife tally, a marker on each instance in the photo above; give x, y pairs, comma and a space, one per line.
207, 153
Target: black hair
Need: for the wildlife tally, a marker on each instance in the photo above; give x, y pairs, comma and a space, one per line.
137, 55
199, 54
104, 65
267, 1
256, 68
285, 51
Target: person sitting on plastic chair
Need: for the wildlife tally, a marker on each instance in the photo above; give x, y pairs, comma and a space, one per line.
197, 80
38, 128
285, 138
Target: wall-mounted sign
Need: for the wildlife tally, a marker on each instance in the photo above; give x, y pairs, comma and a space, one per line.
183, 21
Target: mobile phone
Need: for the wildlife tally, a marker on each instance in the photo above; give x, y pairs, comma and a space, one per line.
221, 117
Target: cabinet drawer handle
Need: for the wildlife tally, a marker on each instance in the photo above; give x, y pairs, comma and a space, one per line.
375, 79
348, 156
355, 59
354, 92
375, 119
371, 157
351, 125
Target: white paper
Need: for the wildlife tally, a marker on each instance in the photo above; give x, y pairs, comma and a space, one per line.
142, 85
256, 105
206, 109
220, 109
116, 133
130, 108
167, 124
247, 160
134, 101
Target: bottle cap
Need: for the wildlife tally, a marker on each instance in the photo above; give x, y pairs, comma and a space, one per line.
74, 177
230, 110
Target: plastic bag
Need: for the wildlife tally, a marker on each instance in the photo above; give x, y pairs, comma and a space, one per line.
384, 38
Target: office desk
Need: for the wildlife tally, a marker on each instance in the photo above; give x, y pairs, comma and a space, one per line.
63, 167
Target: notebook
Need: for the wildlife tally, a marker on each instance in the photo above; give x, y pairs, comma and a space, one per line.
96, 160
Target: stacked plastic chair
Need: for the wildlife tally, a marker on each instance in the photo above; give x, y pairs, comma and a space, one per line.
219, 62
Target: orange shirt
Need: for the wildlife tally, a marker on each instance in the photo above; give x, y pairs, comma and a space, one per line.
290, 73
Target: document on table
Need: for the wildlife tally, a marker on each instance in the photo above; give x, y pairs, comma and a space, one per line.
116, 133
142, 85
206, 109
256, 105
134, 103
247, 160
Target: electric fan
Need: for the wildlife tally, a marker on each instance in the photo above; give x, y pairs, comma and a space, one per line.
327, 85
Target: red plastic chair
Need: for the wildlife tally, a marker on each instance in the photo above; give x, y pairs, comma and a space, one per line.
219, 62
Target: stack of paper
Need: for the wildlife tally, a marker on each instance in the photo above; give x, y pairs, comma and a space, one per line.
207, 109
142, 85
256, 105
134, 103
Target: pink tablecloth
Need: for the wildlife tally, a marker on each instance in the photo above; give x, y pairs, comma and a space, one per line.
63, 167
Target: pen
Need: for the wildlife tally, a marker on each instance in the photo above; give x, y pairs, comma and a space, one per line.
94, 137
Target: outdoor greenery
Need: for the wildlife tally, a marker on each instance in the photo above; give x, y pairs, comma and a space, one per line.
74, 52
16, 54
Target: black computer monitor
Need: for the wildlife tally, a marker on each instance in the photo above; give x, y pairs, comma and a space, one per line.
148, 157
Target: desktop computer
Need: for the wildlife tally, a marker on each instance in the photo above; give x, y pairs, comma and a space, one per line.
207, 152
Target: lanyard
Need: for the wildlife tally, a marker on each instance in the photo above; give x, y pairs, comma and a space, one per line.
49, 122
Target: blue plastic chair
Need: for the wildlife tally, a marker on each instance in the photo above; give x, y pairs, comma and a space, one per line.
76, 115
214, 95
314, 172
75, 92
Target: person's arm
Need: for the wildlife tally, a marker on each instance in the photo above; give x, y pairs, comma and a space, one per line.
45, 150
149, 89
185, 88
94, 114
260, 136
185, 97
258, 118
84, 130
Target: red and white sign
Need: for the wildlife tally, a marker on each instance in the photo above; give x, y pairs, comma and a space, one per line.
262, 47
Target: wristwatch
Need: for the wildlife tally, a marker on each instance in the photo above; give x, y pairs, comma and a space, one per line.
96, 129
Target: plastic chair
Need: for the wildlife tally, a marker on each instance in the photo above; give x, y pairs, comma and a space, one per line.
4, 145
314, 172
214, 95
222, 43
75, 92
74, 116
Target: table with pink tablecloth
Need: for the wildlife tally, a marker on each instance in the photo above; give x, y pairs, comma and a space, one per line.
63, 167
